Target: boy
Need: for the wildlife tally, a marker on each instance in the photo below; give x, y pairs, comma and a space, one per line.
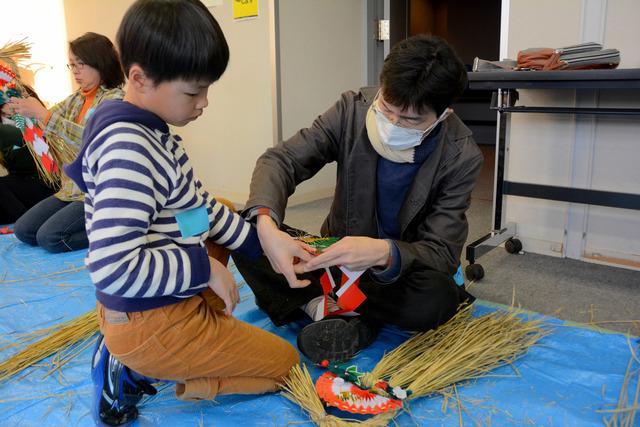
406, 169
160, 297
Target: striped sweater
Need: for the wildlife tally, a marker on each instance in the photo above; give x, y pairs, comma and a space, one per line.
146, 215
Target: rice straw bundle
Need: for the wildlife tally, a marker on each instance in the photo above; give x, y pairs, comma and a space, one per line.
462, 349
14, 52
59, 339
21, 339
61, 152
68, 353
70, 270
415, 347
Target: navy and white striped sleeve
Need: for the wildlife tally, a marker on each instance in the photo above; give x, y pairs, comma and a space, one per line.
229, 229
132, 181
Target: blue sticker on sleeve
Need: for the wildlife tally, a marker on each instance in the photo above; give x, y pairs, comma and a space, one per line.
193, 222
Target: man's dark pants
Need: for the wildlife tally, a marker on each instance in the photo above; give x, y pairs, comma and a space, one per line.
419, 301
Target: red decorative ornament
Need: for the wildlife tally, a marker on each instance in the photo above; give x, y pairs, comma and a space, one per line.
344, 395
30, 129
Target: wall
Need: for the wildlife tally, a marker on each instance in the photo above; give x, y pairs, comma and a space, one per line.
96, 16
237, 126
581, 151
50, 76
321, 55
613, 235
241, 122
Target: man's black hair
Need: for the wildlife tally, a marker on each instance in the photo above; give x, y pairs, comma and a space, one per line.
422, 72
172, 39
98, 52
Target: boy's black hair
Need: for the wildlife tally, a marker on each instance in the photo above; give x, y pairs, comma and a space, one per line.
422, 72
172, 39
98, 52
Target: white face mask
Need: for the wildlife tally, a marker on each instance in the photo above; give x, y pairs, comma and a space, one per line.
401, 138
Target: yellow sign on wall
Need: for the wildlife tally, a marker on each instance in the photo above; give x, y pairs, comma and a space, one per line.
245, 9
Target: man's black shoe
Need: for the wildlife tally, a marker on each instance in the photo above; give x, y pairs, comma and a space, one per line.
336, 339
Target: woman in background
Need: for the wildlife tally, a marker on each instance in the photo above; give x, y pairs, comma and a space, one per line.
57, 222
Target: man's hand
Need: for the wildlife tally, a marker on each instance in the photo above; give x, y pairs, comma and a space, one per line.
282, 250
26, 107
222, 283
355, 253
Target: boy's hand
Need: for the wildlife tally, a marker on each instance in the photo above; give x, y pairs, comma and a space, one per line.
282, 250
222, 283
354, 252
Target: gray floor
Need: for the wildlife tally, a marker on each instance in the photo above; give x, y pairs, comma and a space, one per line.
572, 290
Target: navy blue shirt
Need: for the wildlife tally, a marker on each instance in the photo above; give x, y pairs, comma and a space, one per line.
393, 182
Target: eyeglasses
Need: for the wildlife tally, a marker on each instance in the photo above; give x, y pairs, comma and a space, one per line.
398, 121
78, 66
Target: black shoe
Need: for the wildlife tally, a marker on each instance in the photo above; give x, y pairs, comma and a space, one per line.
116, 392
336, 339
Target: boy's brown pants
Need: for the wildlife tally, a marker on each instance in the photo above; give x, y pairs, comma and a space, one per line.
196, 345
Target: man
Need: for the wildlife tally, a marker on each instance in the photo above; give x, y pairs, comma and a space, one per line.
406, 169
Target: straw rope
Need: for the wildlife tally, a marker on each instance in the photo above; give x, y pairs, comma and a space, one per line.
65, 341
14, 52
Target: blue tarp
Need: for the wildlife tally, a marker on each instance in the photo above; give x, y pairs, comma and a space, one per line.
567, 380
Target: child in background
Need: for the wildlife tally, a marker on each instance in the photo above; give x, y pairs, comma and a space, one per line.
164, 305
22, 187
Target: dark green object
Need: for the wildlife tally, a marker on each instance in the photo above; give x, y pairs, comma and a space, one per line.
319, 243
